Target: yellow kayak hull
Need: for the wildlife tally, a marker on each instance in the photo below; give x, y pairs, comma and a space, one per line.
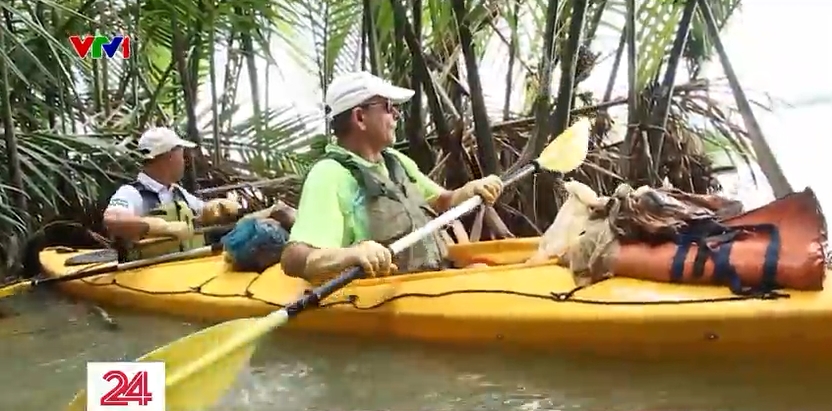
515, 305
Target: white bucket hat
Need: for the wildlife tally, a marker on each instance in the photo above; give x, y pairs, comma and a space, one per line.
351, 89
159, 140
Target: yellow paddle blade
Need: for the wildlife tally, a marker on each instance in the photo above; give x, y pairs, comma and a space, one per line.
14, 288
200, 367
568, 151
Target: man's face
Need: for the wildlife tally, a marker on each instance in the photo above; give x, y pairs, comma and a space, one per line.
377, 119
174, 162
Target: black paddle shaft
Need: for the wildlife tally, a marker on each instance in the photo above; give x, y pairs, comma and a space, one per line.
82, 273
313, 298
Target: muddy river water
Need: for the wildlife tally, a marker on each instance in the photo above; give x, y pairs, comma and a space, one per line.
47, 340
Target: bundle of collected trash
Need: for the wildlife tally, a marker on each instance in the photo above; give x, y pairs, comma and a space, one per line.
258, 239
667, 235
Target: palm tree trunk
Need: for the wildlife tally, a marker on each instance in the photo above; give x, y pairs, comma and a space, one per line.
15, 173
512, 51
417, 145
543, 103
363, 42
196, 45
567, 77
129, 73
765, 157
154, 98
662, 106
212, 72
192, 131
51, 87
105, 64
134, 63
632, 93
229, 83
251, 65
370, 35
96, 88
619, 52
399, 59
594, 22
486, 150
420, 68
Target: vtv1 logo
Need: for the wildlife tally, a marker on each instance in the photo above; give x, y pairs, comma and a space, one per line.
100, 46
125, 386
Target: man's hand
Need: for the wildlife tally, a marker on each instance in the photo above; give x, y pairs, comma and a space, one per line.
489, 188
219, 211
374, 258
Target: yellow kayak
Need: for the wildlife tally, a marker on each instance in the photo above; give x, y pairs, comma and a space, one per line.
511, 304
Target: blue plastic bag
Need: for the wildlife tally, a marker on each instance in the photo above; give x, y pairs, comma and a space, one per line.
255, 244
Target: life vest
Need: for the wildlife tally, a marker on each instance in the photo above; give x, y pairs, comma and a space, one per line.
780, 245
178, 210
395, 207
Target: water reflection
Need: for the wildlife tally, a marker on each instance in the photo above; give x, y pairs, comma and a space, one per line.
348, 375
47, 345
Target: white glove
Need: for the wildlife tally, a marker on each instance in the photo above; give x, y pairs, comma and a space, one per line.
488, 187
219, 211
374, 258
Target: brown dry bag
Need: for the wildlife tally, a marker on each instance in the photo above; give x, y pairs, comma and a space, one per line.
779, 245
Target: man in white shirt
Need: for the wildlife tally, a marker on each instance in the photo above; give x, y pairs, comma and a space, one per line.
155, 205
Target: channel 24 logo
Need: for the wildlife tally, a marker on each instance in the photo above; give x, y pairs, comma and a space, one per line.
126, 386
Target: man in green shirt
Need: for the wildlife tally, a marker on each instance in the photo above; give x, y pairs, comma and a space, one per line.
364, 194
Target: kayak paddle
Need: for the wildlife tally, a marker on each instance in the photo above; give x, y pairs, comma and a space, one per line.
21, 286
200, 367
209, 230
104, 269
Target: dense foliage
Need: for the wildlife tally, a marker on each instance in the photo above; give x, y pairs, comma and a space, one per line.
66, 119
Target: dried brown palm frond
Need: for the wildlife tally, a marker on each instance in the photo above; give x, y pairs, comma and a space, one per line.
531, 205
228, 174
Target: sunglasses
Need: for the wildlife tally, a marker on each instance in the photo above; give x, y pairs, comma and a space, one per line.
388, 106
